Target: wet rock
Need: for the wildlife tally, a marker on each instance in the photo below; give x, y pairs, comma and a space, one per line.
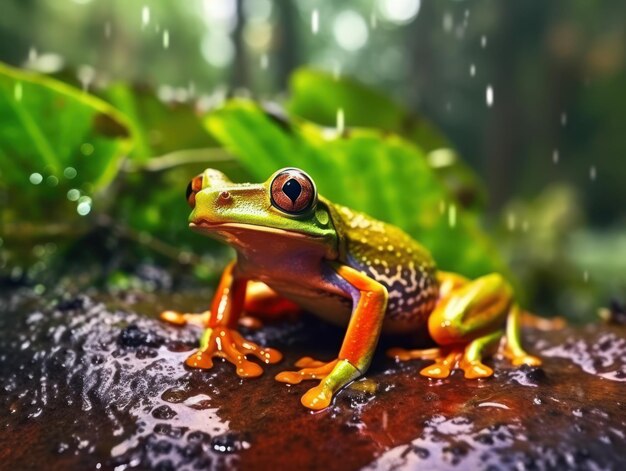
133, 336
86, 386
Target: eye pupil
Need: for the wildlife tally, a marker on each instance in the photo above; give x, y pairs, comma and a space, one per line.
292, 189
189, 190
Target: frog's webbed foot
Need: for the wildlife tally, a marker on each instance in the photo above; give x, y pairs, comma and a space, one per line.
227, 343
333, 376
466, 358
521, 358
456, 359
446, 360
309, 369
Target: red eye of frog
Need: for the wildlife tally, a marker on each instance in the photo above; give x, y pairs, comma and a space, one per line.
195, 185
293, 191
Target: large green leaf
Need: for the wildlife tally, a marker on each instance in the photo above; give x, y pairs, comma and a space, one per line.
379, 173
53, 139
318, 96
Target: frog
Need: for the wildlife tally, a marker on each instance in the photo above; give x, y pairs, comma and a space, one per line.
296, 249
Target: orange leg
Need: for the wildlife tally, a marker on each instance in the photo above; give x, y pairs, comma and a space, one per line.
221, 339
358, 345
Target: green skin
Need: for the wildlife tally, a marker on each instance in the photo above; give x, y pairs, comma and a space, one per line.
355, 271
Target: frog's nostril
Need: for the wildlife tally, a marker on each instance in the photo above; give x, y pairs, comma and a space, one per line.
224, 196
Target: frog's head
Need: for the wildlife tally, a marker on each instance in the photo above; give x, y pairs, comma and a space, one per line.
284, 209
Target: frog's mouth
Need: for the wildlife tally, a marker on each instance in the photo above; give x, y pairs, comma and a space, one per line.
206, 227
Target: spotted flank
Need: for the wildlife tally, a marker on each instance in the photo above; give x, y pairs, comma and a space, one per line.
391, 257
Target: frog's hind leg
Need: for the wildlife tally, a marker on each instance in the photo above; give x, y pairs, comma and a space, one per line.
513, 349
469, 318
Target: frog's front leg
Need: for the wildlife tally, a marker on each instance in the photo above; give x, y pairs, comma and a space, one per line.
220, 338
469, 318
370, 303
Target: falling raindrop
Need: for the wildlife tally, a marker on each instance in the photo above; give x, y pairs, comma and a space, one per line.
448, 22
592, 173
586, 276
373, 20
483, 41
340, 120
86, 75
145, 16
265, 60
166, 39
315, 21
32, 54
555, 156
452, 215
472, 70
107, 29
511, 222
36, 178
17, 91
563, 119
489, 96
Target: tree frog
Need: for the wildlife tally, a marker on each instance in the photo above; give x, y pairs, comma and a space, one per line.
295, 246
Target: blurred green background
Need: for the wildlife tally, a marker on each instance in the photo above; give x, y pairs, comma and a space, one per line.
510, 117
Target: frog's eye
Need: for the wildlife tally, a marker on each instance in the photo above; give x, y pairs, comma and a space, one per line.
194, 187
293, 191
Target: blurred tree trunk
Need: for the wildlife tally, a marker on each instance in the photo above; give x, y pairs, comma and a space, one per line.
503, 126
420, 74
287, 46
240, 78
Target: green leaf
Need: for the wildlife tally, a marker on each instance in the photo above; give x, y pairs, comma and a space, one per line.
318, 96
379, 173
159, 128
55, 138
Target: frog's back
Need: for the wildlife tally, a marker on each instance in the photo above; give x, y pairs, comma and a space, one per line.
390, 256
